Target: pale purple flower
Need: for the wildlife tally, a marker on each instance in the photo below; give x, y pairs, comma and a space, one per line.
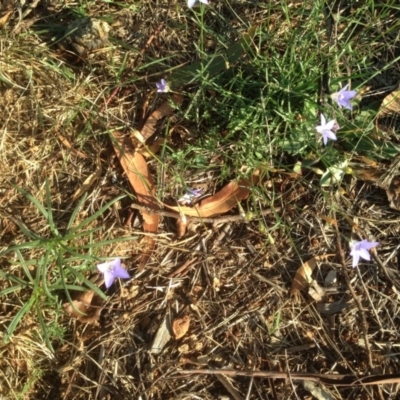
191, 2
360, 250
343, 97
190, 195
162, 86
111, 270
327, 129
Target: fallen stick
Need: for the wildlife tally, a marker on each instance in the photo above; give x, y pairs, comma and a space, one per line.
327, 379
212, 220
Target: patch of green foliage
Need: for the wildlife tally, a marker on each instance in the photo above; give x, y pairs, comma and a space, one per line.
60, 263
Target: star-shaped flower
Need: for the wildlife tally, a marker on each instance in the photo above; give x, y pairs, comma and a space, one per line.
190, 195
343, 97
111, 270
162, 86
360, 250
191, 2
327, 129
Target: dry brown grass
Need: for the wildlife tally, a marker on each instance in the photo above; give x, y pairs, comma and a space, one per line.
55, 118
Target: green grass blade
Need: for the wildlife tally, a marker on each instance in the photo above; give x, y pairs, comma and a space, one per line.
45, 265
50, 219
11, 289
13, 278
18, 316
88, 283
24, 266
63, 280
23, 246
33, 199
45, 330
27, 232
97, 214
76, 211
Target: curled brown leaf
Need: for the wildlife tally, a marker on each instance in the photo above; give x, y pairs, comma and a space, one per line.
303, 276
222, 201
86, 307
180, 326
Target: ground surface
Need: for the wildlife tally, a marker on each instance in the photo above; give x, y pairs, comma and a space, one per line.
65, 199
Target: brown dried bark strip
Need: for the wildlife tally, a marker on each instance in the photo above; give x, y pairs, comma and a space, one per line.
162, 111
137, 171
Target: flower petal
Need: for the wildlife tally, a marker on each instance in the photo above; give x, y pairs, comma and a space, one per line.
356, 259
349, 94
194, 192
364, 254
345, 104
330, 135
185, 197
190, 195
162, 86
191, 3
365, 244
120, 272
115, 263
108, 278
103, 267
361, 245
329, 126
336, 127
343, 97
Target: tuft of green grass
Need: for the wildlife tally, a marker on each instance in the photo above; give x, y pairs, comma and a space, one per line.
62, 259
